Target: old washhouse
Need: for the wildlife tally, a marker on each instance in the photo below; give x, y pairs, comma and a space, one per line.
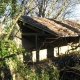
42, 33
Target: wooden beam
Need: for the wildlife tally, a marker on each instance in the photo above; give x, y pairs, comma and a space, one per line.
33, 28
33, 34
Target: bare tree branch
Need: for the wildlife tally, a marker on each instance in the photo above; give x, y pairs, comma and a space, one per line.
27, 5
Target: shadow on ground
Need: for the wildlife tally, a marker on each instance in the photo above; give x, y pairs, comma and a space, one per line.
67, 67
5, 73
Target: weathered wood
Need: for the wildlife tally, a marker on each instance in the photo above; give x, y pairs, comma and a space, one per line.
50, 52
33, 34
33, 28
37, 51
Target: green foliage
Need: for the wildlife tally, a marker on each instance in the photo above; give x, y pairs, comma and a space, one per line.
27, 73
7, 48
3, 5
2, 8
21, 70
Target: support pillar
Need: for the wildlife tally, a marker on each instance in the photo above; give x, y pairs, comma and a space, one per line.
50, 52
37, 51
58, 52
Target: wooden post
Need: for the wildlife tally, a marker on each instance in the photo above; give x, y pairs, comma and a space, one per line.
37, 51
79, 43
58, 52
50, 52
53, 52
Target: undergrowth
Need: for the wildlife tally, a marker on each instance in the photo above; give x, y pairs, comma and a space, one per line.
11, 67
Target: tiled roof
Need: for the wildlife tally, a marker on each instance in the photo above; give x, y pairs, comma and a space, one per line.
61, 28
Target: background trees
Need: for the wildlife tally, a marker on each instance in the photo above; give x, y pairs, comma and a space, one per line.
52, 8
41, 8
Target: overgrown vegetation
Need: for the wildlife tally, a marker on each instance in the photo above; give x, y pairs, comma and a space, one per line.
12, 67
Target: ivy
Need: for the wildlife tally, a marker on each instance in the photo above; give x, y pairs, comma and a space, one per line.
7, 47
